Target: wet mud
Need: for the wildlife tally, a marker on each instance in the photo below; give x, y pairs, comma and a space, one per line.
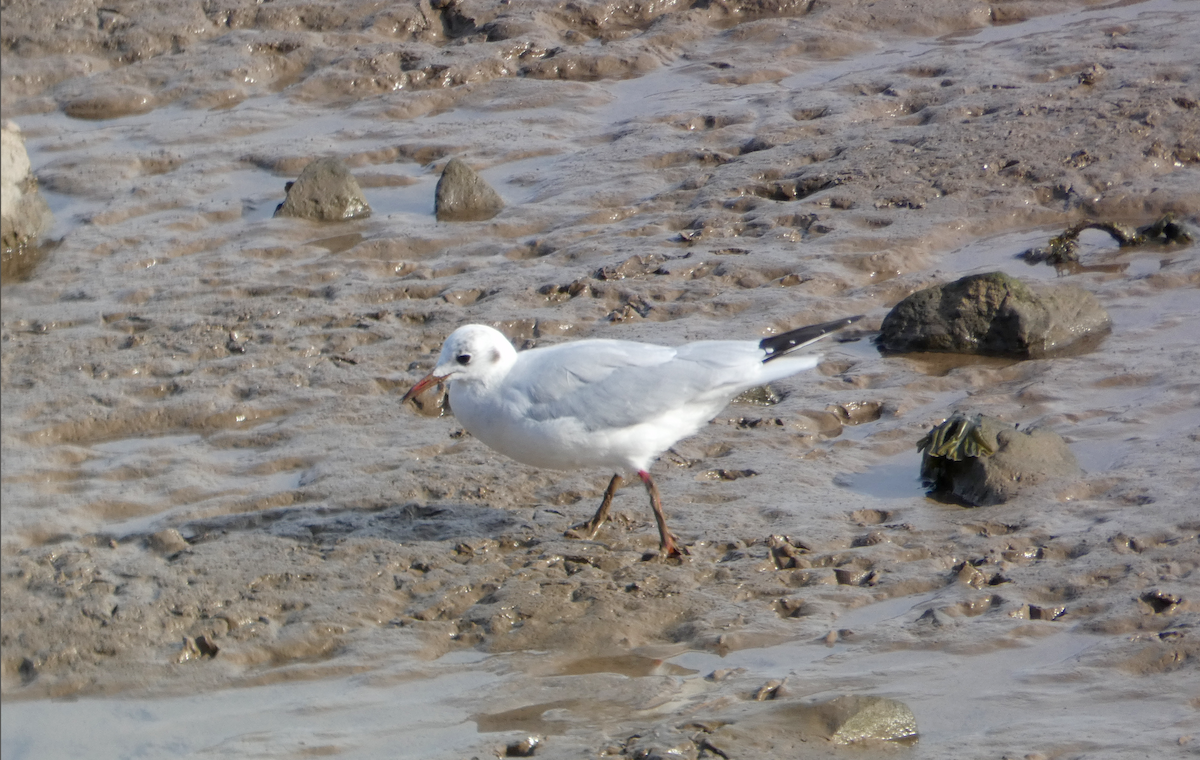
209, 481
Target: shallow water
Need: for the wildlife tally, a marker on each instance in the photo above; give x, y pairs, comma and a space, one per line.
363, 716
380, 586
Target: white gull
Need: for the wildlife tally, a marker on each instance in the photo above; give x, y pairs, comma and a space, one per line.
614, 404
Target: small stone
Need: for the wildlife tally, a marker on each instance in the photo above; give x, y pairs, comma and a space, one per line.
856, 412
167, 542
325, 191
770, 690
524, 748
1092, 74
463, 196
789, 606
971, 576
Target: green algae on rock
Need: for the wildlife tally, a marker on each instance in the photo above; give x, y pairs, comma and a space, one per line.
1063, 249
856, 719
982, 460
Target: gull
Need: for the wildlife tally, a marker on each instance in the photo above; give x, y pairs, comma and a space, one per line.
614, 404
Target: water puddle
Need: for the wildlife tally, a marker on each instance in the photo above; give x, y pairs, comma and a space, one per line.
949, 708
124, 446
939, 365
412, 718
897, 477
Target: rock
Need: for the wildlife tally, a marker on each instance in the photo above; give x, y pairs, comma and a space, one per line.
463, 196
1020, 460
524, 748
167, 542
24, 215
854, 719
856, 412
995, 315
325, 191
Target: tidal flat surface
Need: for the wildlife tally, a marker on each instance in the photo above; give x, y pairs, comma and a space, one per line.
378, 584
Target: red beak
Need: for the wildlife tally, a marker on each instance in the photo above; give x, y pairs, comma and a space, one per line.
425, 382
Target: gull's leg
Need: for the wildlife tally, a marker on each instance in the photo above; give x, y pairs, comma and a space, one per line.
591, 527
666, 542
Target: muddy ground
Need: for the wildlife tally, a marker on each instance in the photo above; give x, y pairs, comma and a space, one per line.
202, 434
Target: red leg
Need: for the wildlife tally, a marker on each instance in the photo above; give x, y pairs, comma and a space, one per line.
592, 526
666, 542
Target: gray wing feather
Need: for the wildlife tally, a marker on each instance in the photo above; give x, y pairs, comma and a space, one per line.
614, 384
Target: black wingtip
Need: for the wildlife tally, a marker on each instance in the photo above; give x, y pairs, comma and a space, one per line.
784, 343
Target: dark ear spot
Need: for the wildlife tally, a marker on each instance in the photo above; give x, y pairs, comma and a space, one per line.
495, 357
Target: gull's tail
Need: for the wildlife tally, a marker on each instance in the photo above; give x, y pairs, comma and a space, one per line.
785, 343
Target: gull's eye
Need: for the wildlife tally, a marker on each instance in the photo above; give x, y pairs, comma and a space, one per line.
463, 359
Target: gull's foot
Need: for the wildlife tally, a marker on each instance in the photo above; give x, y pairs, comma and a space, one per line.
584, 531
589, 529
672, 548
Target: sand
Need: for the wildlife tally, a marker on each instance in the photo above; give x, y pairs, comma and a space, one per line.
203, 441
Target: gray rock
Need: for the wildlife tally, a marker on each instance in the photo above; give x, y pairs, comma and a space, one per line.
1021, 460
24, 215
325, 191
995, 315
463, 196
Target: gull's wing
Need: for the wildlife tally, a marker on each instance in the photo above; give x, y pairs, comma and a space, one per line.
607, 384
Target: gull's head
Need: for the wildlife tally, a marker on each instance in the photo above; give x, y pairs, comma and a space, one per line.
472, 353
